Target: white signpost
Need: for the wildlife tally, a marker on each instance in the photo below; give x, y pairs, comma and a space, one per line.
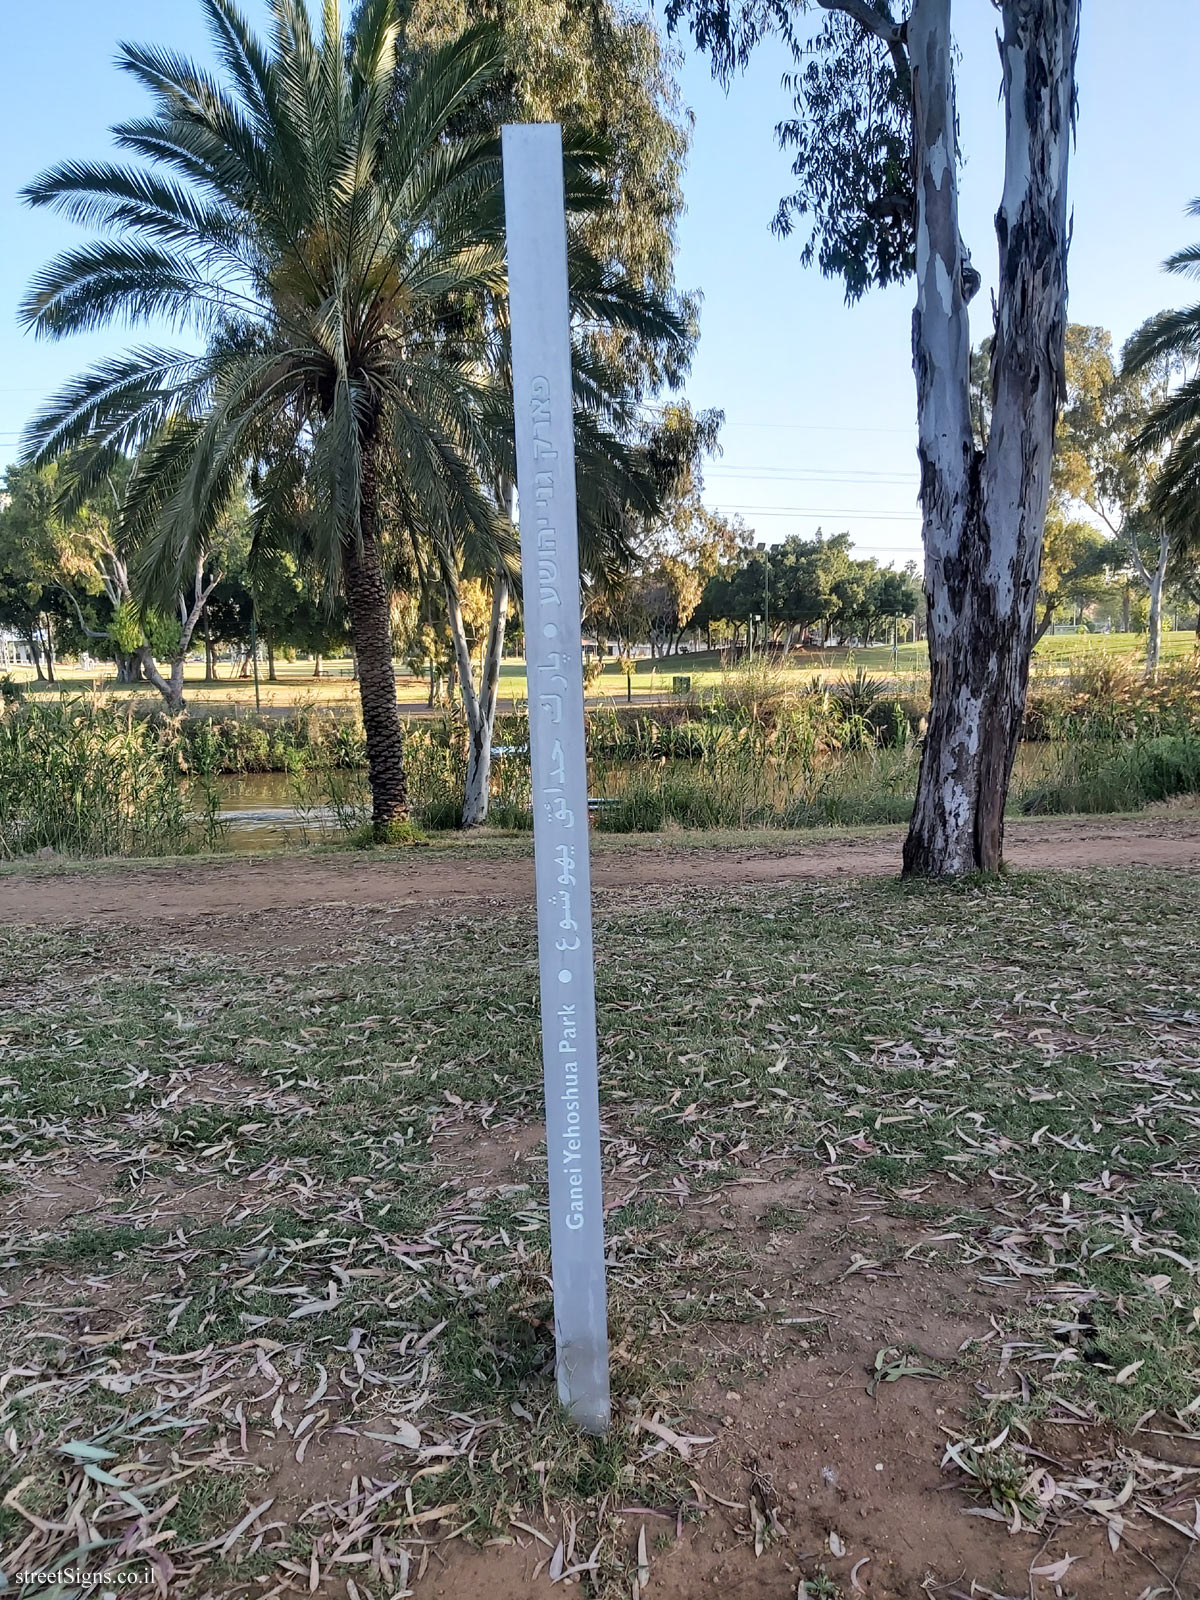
541, 358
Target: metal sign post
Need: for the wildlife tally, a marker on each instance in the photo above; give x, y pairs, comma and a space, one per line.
541, 358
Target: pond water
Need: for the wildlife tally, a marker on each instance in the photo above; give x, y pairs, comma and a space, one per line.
260, 812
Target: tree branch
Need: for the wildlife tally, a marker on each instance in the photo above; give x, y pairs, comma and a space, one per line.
865, 14
1139, 565
88, 633
894, 34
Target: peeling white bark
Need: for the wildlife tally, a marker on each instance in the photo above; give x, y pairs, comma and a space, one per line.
984, 510
1155, 582
477, 797
479, 704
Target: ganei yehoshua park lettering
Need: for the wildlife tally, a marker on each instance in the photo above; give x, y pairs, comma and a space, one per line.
539, 312
600, 800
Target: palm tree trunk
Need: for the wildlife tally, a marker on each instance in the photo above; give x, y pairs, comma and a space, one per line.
371, 623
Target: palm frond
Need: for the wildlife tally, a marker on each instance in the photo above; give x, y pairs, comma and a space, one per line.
1185, 262
1169, 336
1178, 413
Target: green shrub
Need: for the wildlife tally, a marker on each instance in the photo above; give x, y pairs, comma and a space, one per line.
89, 779
12, 691
1111, 776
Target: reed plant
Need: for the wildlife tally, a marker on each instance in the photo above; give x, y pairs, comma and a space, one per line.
1108, 698
84, 777
1091, 776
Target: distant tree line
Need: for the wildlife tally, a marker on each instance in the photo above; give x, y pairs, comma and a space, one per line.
807, 587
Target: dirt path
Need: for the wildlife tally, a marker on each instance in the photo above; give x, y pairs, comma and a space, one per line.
427, 883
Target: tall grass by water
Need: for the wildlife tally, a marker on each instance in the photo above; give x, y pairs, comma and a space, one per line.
84, 778
87, 776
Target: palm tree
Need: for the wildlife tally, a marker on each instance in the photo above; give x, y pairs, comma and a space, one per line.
1170, 343
312, 227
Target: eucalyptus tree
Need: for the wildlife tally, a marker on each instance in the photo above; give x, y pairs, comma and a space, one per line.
600, 70
875, 136
310, 226
600, 66
616, 487
677, 544
1098, 465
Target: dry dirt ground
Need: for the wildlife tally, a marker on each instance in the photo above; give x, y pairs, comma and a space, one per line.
419, 883
802, 1481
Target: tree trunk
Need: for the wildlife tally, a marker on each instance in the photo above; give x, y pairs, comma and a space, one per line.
171, 688
317, 657
35, 654
480, 711
271, 675
48, 645
1126, 608
1044, 625
371, 622
190, 614
984, 510
210, 664
1157, 579
479, 751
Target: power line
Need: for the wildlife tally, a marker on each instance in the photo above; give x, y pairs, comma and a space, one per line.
862, 480
794, 471
824, 511
804, 427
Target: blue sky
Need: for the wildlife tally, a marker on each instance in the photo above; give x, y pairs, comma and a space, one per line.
818, 396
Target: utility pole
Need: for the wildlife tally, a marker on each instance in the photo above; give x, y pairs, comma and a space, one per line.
767, 597
254, 654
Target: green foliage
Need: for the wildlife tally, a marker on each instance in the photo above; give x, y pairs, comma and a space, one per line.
808, 582
1116, 777
45, 579
83, 778
1172, 339
1104, 699
851, 135
851, 132
245, 744
603, 67
680, 545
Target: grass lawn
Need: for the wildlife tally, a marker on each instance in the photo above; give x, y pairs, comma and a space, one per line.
276, 1249
296, 685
